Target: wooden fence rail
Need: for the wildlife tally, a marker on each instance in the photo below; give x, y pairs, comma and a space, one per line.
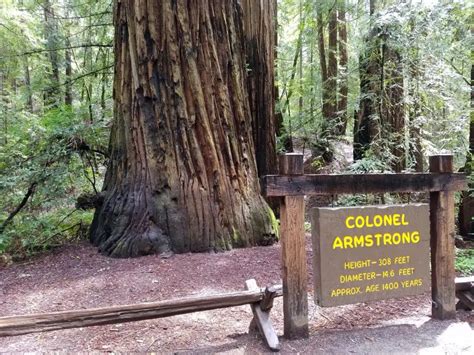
17, 325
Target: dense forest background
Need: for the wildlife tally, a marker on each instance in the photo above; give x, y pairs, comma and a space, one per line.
390, 81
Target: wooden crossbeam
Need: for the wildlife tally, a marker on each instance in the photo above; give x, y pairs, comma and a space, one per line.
17, 325
464, 283
298, 185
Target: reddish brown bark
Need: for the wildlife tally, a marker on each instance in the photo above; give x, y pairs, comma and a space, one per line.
260, 27
182, 175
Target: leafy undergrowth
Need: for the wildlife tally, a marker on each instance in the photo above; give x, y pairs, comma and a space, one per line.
31, 234
465, 261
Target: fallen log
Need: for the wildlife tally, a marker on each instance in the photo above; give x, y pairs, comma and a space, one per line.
25, 324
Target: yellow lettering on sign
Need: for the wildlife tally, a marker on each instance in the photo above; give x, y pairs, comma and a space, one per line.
359, 241
372, 288
415, 237
337, 243
345, 291
348, 242
412, 283
378, 220
405, 223
402, 259
377, 239
406, 271
396, 219
359, 221
349, 225
357, 264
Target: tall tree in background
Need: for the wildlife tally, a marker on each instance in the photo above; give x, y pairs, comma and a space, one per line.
333, 65
393, 103
52, 45
182, 174
466, 209
259, 27
380, 122
326, 105
367, 118
415, 149
343, 69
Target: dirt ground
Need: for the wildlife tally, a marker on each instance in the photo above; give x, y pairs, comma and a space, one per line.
76, 277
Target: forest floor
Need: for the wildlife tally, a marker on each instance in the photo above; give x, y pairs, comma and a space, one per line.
77, 277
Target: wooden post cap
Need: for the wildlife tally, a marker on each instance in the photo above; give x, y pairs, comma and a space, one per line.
291, 164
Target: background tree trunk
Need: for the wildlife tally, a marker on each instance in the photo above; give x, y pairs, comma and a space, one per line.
326, 110
393, 106
182, 175
52, 35
343, 73
466, 208
260, 27
29, 92
332, 72
367, 120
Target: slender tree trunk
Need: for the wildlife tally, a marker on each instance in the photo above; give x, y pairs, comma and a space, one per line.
323, 64
29, 92
279, 126
311, 77
414, 111
103, 84
68, 62
332, 72
259, 27
68, 92
466, 208
289, 92
372, 4
52, 43
182, 174
3, 108
300, 65
343, 70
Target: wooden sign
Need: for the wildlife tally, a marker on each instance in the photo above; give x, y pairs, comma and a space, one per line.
370, 253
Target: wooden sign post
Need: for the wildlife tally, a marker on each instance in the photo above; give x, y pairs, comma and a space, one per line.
294, 273
443, 288
291, 186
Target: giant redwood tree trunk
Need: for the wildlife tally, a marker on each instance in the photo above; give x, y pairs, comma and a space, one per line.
182, 175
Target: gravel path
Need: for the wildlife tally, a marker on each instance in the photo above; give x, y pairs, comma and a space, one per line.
76, 277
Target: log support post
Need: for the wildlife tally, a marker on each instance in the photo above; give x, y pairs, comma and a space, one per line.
294, 273
261, 317
442, 244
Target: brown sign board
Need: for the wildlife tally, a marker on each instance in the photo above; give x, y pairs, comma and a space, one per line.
370, 253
